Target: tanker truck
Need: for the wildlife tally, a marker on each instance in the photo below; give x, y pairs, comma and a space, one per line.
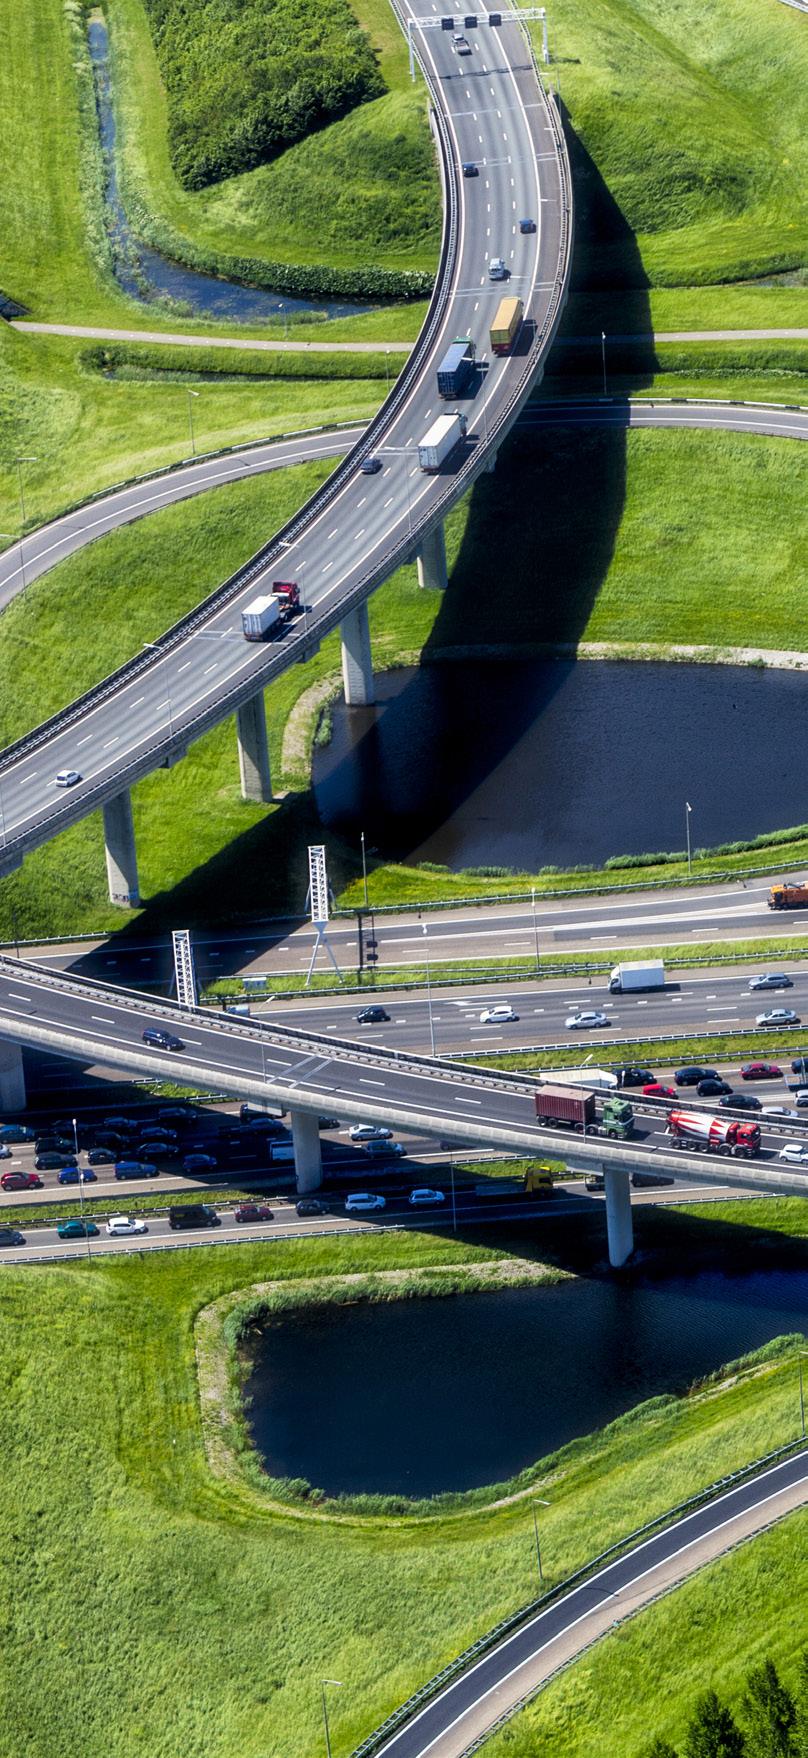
715, 1135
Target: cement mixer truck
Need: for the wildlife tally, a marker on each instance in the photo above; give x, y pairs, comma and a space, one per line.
713, 1135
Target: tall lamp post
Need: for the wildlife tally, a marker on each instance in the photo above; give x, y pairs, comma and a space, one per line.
365, 871
19, 463
337, 1683
603, 359
535, 923
545, 1504
81, 1186
688, 810
189, 395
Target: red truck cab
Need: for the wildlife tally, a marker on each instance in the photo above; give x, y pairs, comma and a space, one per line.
287, 593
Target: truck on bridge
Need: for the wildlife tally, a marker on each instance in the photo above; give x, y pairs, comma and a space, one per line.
713, 1135
506, 325
645, 973
443, 436
788, 897
261, 618
457, 368
579, 1110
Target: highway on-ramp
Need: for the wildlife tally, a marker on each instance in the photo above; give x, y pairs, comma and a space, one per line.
490, 1687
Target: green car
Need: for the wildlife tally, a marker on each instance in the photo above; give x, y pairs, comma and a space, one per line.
77, 1230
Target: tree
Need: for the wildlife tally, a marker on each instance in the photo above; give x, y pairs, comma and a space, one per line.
660, 1748
800, 1735
769, 1713
713, 1731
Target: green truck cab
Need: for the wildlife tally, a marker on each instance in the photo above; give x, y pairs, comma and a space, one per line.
616, 1119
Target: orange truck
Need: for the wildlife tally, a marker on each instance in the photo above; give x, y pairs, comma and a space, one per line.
788, 897
506, 325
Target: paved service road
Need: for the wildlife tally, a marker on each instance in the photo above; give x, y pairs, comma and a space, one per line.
492, 1687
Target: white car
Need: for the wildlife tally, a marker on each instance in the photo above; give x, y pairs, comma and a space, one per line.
497, 270
363, 1202
370, 1132
461, 44
778, 1016
801, 1096
777, 1111
119, 1224
426, 1199
796, 1152
580, 1021
67, 778
499, 1015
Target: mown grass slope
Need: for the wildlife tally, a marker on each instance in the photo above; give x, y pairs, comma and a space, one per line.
179, 1614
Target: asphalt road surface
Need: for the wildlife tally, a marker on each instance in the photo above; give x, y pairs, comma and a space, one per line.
495, 1684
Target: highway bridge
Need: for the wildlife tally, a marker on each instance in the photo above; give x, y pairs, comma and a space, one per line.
310, 1074
489, 109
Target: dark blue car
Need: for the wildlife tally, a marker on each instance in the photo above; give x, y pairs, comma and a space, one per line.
77, 1175
135, 1169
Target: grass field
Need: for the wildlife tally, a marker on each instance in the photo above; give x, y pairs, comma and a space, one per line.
198, 839
102, 1441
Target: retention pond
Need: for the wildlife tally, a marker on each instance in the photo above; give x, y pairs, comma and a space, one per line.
421, 1396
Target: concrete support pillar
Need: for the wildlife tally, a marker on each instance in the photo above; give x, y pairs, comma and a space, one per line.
308, 1156
491, 464
431, 561
619, 1226
357, 659
253, 750
12, 1078
119, 842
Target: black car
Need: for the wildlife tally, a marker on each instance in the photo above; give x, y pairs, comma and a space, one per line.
254, 1114
54, 1144
690, 1077
156, 1132
109, 1138
713, 1086
176, 1114
101, 1157
740, 1102
156, 1150
370, 466
193, 1215
53, 1162
157, 1039
634, 1076
311, 1205
470, 169
372, 1016
11, 1236
527, 225
328, 1123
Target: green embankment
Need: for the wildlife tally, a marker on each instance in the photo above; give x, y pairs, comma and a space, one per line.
166, 1563
195, 832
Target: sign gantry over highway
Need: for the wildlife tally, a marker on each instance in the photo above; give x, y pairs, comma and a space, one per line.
470, 21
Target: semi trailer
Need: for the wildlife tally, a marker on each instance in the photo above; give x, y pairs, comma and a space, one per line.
443, 436
581, 1110
457, 368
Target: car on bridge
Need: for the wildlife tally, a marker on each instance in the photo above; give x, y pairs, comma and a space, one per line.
67, 777
761, 1071
370, 1132
426, 1199
470, 169
118, 1225
655, 1090
77, 1175
583, 1020
372, 1016
795, 1153
384, 1150
101, 1157
771, 980
21, 1181
5, 1151
363, 1202
527, 225
135, 1169
16, 1132
778, 1016
157, 1039
691, 1075
52, 1161
77, 1230
370, 466
200, 1163
740, 1102
460, 44
713, 1087
502, 1014
631, 1075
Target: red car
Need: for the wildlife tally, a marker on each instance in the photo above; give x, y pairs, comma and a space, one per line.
21, 1181
656, 1091
761, 1071
253, 1212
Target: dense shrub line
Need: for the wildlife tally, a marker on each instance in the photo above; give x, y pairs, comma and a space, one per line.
246, 78
141, 361
773, 1720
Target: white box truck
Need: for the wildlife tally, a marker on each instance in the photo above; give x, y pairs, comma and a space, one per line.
260, 618
600, 1079
647, 973
443, 436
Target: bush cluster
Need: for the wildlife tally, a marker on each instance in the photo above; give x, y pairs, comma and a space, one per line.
118, 360
247, 78
773, 1720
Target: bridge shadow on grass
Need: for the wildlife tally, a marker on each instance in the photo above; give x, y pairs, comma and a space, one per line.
537, 543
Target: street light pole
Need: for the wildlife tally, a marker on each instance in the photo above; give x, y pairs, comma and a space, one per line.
688, 810
802, 1405
19, 463
603, 359
545, 1504
81, 1186
365, 872
454, 1205
323, 1683
189, 395
535, 923
429, 990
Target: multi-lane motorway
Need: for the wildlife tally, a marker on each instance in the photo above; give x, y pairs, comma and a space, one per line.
493, 112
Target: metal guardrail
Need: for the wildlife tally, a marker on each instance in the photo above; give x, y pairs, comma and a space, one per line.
506, 1627
152, 755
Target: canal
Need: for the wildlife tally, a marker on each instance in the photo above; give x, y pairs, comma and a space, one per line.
419, 1396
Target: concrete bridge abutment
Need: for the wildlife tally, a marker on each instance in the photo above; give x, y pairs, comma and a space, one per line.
308, 1153
253, 749
619, 1225
431, 560
357, 659
121, 851
12, 1078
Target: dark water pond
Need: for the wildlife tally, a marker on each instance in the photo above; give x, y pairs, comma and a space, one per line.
426, 1395
144, 273
549, 763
